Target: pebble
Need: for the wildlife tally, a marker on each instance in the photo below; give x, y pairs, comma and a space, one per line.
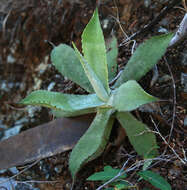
147, 3
185, 121
184, 81
162, 30
51, 86
58, 169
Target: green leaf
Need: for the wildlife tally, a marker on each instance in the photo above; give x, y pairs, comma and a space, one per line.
106, 175
66, 62
60, 113
144, 58
94, 80
112, 53
94, 50
62, 102
155, 179
130, 96
142, 139
93, 142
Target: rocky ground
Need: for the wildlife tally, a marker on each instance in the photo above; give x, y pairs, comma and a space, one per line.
27, 29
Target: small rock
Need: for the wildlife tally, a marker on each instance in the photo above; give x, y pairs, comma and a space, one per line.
51, 86
11, 132
58, 169
185, 121
162, 30
147, 3
10, 59
13, 170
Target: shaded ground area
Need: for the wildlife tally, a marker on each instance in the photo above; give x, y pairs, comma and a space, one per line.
27, 30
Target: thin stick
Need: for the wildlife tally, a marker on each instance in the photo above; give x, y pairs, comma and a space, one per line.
121, 172
118, 21
36, 181
5, 21
115, 78
134, 166
184, 4
147, 27
121, 28
158, 132
4, 181
174, 100
73, 183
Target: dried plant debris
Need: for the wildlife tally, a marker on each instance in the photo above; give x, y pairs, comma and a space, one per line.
42, 141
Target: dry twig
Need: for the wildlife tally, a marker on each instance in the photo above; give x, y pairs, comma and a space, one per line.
174, 100
158, 132
30, 166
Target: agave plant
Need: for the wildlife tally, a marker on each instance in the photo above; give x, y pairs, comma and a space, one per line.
93, 71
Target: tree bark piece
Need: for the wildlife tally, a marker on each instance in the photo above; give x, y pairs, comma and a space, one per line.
43, 141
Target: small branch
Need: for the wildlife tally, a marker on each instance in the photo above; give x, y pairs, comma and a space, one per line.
174, 100
133, 167
121, 172
155, 75
115, 78
149, 26
178, 37
30, 166
5, 21
184, 4
37, 181
158, 132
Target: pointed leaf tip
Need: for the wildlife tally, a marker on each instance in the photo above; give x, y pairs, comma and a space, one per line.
94, 49
93, 142
155, 179
94, 80
66, 62
69, 104
144, 58
130, 96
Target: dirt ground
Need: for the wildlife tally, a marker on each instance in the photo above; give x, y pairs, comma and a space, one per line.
27, 29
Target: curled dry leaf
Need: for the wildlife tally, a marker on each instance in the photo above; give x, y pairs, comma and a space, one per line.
43, 141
